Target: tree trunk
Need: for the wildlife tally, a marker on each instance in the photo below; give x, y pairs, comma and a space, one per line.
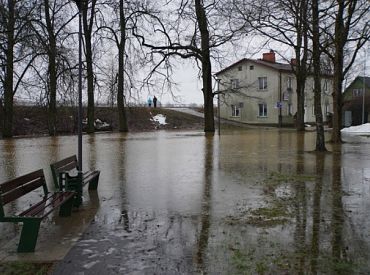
52, 71
9, 70
300, 102
87, 24
320, 138
340, 40
209, 121
337, 103
122, 119
301, 61
90, 86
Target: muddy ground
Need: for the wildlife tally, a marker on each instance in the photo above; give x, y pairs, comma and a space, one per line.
32, 120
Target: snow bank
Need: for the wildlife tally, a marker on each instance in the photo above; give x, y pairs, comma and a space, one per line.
360, 129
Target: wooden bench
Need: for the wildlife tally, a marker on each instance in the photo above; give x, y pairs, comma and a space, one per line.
62, 174
31, 218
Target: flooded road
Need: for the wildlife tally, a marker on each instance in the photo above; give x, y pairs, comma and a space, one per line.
249, 202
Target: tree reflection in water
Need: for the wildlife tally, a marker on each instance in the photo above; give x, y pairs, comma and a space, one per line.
206, 203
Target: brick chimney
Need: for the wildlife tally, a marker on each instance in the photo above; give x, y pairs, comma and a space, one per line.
269, 57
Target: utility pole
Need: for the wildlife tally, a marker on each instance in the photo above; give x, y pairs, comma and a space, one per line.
364, 89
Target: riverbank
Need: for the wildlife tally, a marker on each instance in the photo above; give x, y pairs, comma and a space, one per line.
32, 120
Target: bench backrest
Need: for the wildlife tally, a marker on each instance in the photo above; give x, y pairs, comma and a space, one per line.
18, 187
63, 165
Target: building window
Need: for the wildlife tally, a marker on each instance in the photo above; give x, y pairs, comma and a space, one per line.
240, 68
262, 110
289, 82
235, 110
357, 92
262, 83
251, 67
286, 96
234, 83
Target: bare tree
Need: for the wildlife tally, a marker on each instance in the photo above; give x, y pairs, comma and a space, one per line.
15, 37
316, 53
88, 17
50, 28
117, 31
190, 29
346, 28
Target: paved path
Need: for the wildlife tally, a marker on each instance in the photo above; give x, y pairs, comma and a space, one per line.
187, 111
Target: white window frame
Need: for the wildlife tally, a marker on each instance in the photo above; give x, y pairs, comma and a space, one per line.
235, 110
289, 82
357, 92
264, 110
262, 83
235, 83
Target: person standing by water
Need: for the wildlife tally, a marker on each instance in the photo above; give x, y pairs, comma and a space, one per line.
155, 102
149, 102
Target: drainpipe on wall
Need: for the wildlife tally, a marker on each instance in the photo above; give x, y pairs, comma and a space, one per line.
280, 102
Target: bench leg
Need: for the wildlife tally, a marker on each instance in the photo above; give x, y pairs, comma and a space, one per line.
65, 209
29, 234
93, 184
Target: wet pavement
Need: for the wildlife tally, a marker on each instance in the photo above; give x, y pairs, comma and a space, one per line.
247, 202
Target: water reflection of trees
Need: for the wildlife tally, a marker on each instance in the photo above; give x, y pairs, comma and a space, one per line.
206, 204
316, 213
337, 222
121, 168
300, 206
9, 160
8, 170
92, 152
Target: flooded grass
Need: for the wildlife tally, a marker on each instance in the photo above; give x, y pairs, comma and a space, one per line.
282, 261
24, 268
276, 214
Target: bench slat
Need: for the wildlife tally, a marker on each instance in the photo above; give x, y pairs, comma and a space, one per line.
47, 205
67, 167
89, 176
64, 162
22, 190
10, 185
12, 190
68, 164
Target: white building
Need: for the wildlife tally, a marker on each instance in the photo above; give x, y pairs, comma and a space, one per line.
259, 91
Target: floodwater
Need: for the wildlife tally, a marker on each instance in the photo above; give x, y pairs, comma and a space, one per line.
254, 201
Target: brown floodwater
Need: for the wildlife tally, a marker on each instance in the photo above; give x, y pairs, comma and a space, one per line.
249, 201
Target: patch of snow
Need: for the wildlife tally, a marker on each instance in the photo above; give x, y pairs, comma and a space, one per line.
87, 251
284, 192
160, 119
360, 129
26, 119
90, 265
89, 241
110, 251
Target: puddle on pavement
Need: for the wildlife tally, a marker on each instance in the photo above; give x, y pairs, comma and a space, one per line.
250, 201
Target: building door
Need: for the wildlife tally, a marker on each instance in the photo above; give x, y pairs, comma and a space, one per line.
347, 118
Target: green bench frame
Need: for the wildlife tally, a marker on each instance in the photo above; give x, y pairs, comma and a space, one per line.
62, 178
31, 218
